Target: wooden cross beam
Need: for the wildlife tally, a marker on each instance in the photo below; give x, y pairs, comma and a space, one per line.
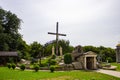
57, 35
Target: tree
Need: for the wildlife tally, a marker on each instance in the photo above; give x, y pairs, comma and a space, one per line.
24, 50
66, 48
108, 54
36, 48
10, 38
9, 35
90, 48
48, 50
103, 52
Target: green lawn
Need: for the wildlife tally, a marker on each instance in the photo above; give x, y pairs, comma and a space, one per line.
9, 74
116, 64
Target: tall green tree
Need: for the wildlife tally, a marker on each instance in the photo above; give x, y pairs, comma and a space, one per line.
65, 44
10, 38
24, 50
36, 49
90, 48
9, 35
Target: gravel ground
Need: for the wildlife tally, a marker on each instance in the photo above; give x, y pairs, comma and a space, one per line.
109, 72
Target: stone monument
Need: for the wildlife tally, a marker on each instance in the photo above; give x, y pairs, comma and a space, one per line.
83, 60
61, 51
53, 50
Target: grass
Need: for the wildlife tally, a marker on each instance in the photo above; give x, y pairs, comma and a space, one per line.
10, 74
116, 64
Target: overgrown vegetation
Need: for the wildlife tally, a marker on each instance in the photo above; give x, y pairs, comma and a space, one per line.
52, 69
22, 67
13, 65
9, 65
36, 67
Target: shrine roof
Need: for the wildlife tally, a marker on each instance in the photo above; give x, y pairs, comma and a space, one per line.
4, 53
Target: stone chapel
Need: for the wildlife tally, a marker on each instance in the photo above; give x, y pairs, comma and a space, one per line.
83, 60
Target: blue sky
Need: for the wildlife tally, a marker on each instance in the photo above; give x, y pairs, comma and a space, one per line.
85, 22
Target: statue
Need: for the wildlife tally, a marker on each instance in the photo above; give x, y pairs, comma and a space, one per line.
53, 50
61, 51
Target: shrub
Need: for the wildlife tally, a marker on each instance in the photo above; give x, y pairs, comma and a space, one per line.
9, 65
67, 58
36, 67
53, 56
52, 69
22, 67
52, 62
13, 65
44, 63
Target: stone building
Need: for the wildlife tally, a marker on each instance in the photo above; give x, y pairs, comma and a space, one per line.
118, 53
5, 56
83, 60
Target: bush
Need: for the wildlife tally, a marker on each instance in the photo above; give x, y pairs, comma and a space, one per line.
67, 58
52, 69
53, 56
22, 67
9, 65
44, 63
52, 62
13, 65
36, 67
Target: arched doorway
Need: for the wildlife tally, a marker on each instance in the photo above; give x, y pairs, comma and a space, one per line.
90, 62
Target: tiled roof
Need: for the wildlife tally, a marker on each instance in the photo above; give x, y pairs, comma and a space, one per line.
4, 53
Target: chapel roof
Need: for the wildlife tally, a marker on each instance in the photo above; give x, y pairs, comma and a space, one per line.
4, 53
89, 53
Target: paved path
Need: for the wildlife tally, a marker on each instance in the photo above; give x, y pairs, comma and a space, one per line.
109, 72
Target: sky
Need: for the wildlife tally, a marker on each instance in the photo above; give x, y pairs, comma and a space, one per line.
85, 22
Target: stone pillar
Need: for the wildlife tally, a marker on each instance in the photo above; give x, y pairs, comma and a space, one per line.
61, 51
95, 63
53, 50
116, 57
85, 62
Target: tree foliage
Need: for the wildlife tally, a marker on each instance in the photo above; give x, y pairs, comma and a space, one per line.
36, 49
66, 48
105, 53
9, 35
10, 38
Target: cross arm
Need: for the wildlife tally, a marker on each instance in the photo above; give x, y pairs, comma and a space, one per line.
51, 33
56, 34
